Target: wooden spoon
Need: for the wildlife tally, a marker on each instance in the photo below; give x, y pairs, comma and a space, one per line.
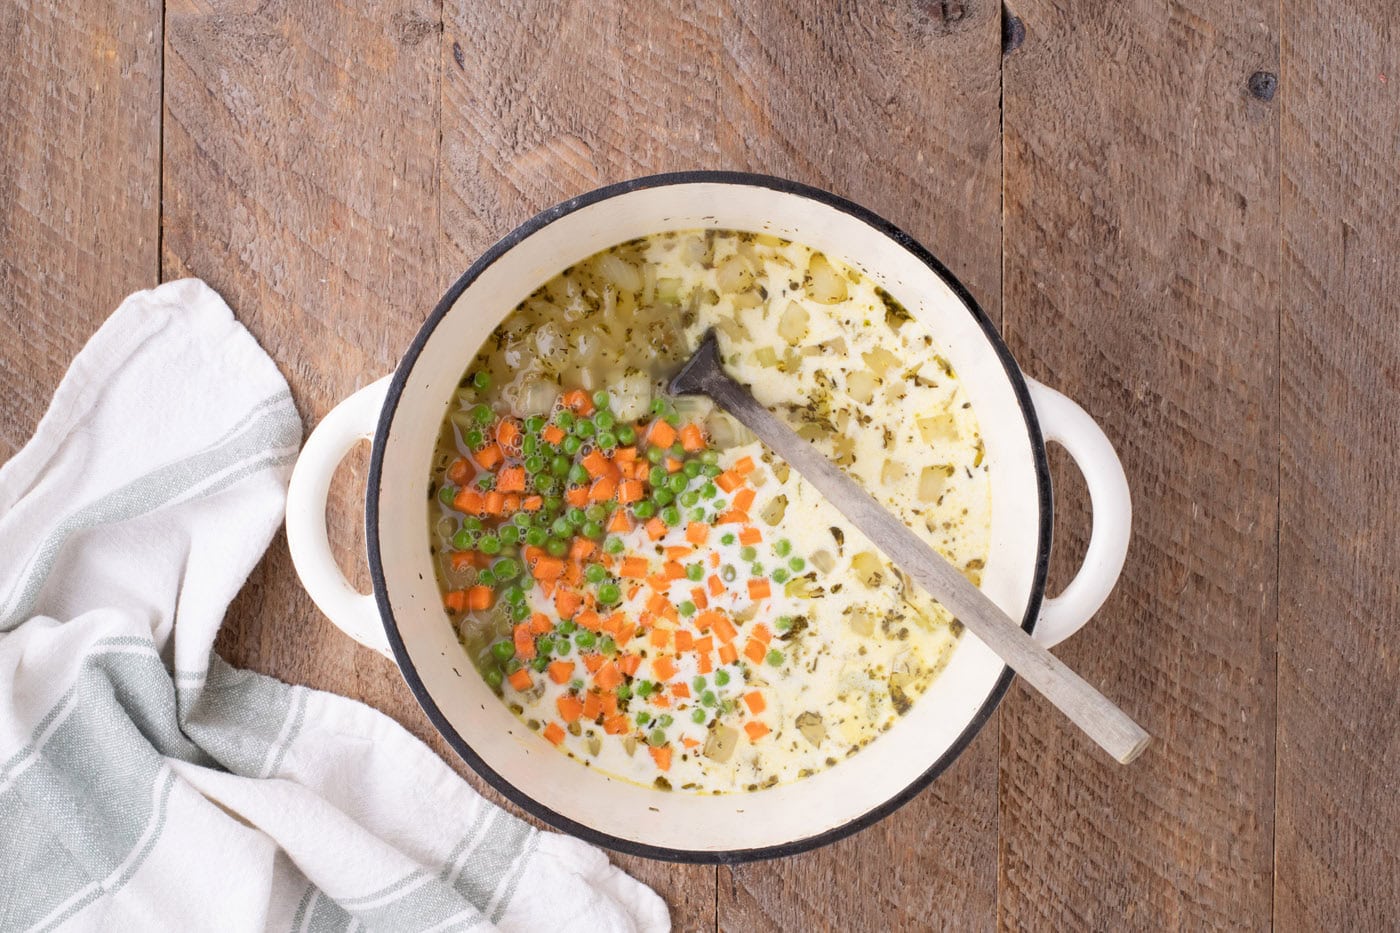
1088, 709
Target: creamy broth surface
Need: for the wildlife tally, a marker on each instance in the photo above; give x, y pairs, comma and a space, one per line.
816, 644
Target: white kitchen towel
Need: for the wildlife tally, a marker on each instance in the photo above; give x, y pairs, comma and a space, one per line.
144, 783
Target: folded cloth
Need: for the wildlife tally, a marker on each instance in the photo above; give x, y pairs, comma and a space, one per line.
146, 784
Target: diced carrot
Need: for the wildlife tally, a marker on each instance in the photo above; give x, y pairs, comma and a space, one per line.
684, 640
532, 503
692, 438
661, 754
608, 676
614, 623
603, 489
548, 568
570, 707
698, 597
495, 502
553, 733
760, 631
633, 568
455, 600
629, 663
729, 481
641, 469
469, 501
511, 479
577, 496
749, 535
524, 641
697, 533
670, 612
596, 463
678, 551
724, 629
705, 665
581, 549
660, 699
629, 491
609, 704
744, 466
754, 650
656, 529
573, 573
512, 503
552, 433
592, 705
460, 471
704, 646
657, 603
680, 689
714, 559
716, 585
756, 730
755, 702
579, 401
674, 571
673, 465
532, 554
733, 517
489, 456
480, 597
728, 654
507, 433
616, 725
688, 742
520, 680
760, 588
567, 602
706, 619
624, 635
659, 637
620, 523
659, 582
561, 671
625, 455
593, 661
590, 620
661, 433
664, 668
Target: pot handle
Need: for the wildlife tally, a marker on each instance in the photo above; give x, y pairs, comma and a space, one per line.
1068, 425
353, 420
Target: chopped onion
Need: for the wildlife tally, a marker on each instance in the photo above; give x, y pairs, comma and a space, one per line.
862, 384
621, 273
880, 360
824, 284
734, 275
792, 326
631, 396
942, 427
725, 431
931, 482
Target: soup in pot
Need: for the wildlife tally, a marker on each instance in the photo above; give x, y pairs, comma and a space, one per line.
640, 580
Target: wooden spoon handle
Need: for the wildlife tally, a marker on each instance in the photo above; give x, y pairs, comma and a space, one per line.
1088, 709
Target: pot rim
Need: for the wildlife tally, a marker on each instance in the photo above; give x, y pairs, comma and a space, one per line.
415, 683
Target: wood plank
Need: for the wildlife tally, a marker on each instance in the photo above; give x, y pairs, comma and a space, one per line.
1338, 823
79, 185
1141, 278
893, 107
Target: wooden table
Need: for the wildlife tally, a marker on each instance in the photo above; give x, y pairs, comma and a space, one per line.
1200, 252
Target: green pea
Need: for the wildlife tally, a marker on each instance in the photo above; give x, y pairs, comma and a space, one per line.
463, 540
698, 715
546, 484
727, 705
691, 468
584, 427
604, 421
609, 594
481, 414
520, 612
657, 738
472, 523
539, 664
643, 690
614, 545
572, 444
755, 569
534, 465
658, 406
486, 578
527, 582
576, 685
595, 512
553, 503
607, 645
774, 657
673, 419
709, 491
780, 575
783, 547
595, 573
643, 717
607, 440
529, 446
721, 677
509, 534
655, 454
534, 424
575, 515
592, 530
522, 520
676, 451
486, 482
695, 572
475, 439
568, 627
671, 515
664, 720
578, 475
506, 569
565, 420
797, 564
626, 435
698, 515
687, 608
559, 466
748, 552
556, 547
657, 477
643, 509
489, 544
482, 380
446, 494
600, 399
708, 698
727, 538
585, 639
503, 651
663, 496
545, 644
624, 692
689, 498
494, 678
676, 482
711, 470
536, 537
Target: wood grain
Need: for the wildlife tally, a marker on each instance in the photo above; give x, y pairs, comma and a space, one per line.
1141, 278
79, 185
1338, 819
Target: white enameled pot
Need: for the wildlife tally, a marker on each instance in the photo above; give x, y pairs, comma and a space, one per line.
404, 618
